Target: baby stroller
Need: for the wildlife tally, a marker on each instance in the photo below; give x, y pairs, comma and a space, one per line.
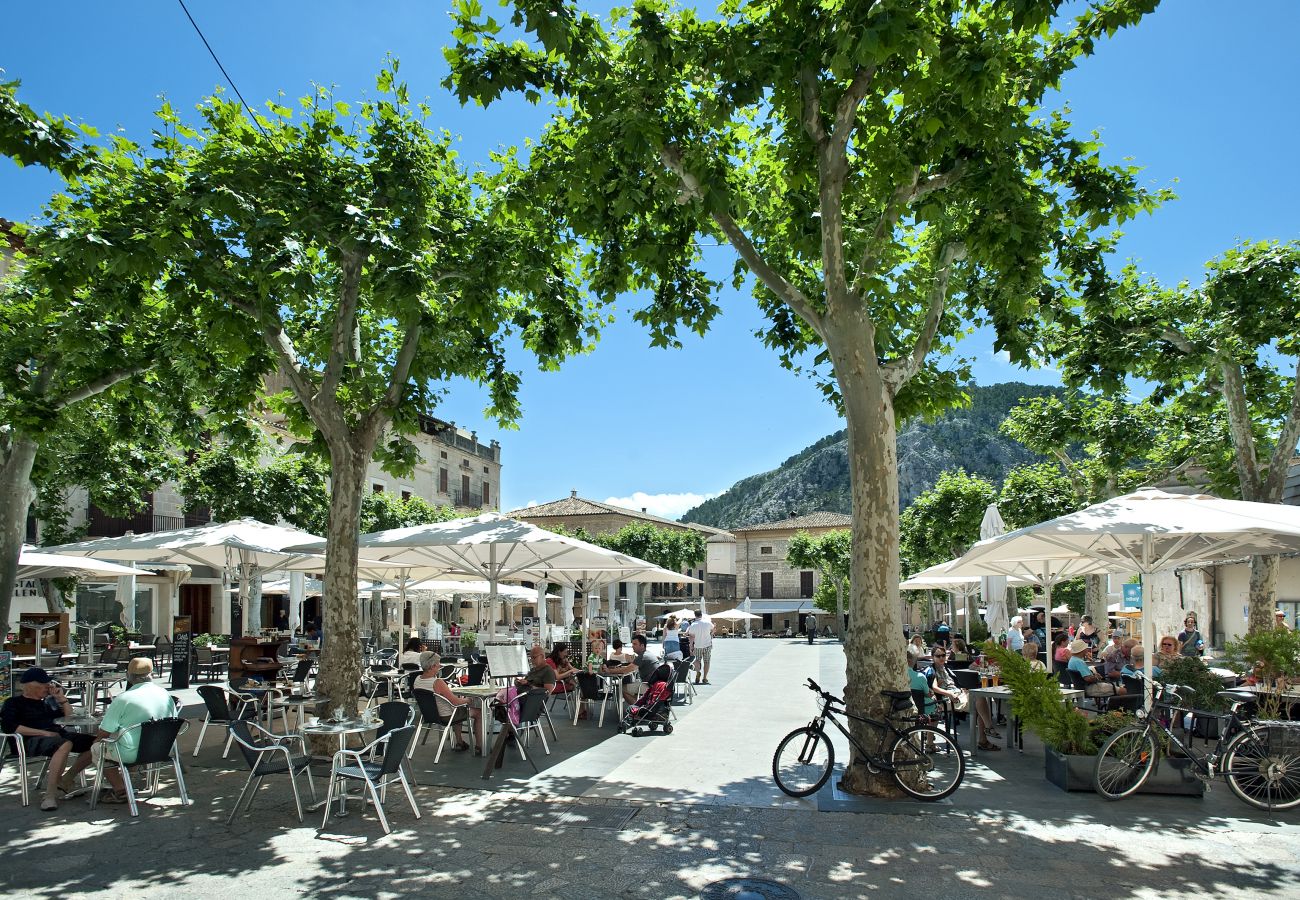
653, 708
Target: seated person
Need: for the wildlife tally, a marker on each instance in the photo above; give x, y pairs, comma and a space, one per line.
1113, 656
1061, 649
596, 655
1137, 662
917, 681
540, 675
1169, 650
642, 665
558, 659
411, 653
944, 686
1029, 649
142, 701
31, 714
618, 654
1095, 685
958, 654
430, 680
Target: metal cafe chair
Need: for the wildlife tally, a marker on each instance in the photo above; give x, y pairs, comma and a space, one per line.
156, 749
270, 754
353, 765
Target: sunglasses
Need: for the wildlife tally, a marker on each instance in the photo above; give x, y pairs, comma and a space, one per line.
1165, 645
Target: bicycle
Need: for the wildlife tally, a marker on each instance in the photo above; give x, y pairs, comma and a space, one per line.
1260, 761
926, 762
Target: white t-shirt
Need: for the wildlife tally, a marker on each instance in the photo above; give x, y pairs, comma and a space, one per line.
701, 634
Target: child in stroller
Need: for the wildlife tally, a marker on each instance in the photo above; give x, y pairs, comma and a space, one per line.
653, 708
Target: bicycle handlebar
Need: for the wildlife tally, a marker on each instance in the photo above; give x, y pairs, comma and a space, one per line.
825, 695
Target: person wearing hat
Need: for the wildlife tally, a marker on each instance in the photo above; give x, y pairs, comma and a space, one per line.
142, 701
1095, 685
1280, 623
32, 714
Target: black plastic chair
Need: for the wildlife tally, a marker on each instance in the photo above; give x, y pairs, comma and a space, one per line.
682, 685
157, 747
376, 775
269, 754
432, 716
530, 706
394, 714
218, 701
475, 672
590, 691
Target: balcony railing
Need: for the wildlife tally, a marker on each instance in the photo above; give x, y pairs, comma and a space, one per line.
462, 500
103, 525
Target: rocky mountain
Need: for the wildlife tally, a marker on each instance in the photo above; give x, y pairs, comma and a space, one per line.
817, 478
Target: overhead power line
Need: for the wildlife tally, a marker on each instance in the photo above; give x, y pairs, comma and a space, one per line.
230, 81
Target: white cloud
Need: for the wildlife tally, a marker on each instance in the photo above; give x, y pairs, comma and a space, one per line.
1000, 356
669, 506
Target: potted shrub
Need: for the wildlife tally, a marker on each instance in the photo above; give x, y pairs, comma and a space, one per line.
1200, 689
1070, 737
1271, 660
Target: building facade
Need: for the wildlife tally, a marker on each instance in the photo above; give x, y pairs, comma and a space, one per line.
716, 569
780, 593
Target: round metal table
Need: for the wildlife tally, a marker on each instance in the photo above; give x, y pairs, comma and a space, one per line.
341, 730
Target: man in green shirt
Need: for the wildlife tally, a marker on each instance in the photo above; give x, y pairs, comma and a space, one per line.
142, 701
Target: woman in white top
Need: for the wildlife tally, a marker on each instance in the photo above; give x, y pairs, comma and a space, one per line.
411, 652
672, 639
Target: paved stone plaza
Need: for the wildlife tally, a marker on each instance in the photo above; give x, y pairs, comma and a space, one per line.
659, 817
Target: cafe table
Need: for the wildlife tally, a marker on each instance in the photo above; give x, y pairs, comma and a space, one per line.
341, 730
481, 694
1002, 693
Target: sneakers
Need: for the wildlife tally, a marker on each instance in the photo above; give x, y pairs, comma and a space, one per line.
50, 802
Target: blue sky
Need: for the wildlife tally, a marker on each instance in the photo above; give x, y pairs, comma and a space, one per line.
1202, 93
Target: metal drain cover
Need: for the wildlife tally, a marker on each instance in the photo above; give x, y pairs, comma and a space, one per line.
748, 889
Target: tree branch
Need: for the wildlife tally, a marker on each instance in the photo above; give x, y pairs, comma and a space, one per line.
771, 278
1280, 461
904, 196
98, 386
1173, 336
341, 344
846, 110
812, 105
901, 371
1246, 457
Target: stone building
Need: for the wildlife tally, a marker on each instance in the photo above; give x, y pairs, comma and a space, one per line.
779, 593
716, 570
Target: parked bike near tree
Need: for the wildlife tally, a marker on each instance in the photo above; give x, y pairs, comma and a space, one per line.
925, 761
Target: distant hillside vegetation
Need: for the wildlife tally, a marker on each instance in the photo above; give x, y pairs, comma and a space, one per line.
817, 478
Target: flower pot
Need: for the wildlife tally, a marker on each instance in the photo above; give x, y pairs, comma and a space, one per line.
1174, 776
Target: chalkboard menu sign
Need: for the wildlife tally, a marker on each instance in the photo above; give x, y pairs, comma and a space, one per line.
182, 653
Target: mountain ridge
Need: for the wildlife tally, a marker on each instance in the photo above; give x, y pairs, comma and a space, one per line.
817, 477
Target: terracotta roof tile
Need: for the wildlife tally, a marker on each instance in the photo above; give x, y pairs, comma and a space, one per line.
812, 520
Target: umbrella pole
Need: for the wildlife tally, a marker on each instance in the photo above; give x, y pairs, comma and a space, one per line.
1047, 622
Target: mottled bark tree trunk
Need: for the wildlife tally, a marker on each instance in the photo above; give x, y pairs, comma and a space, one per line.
16, 496
873, 644
340, 666
1094, 600
1263, 593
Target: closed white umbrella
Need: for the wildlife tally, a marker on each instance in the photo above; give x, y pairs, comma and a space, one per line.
993, 587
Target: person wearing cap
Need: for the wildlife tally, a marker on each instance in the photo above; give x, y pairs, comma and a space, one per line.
32, 714
1094, 684
142, 701
1280, 623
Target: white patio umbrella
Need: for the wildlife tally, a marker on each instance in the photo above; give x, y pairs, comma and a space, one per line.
1144, 532
495, 548
963, 587
735, 615
993, 587
244, 545
34, 563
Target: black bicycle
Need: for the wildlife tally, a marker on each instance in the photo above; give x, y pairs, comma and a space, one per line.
926, 761
1259, 760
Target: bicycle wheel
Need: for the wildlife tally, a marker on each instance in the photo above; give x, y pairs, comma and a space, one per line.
927, 762
1124, 762
803, 761
1262, 766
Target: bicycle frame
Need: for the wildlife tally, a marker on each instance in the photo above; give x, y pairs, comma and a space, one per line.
875, 760
1206, 763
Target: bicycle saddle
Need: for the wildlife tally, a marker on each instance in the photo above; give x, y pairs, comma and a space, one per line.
1239, 696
